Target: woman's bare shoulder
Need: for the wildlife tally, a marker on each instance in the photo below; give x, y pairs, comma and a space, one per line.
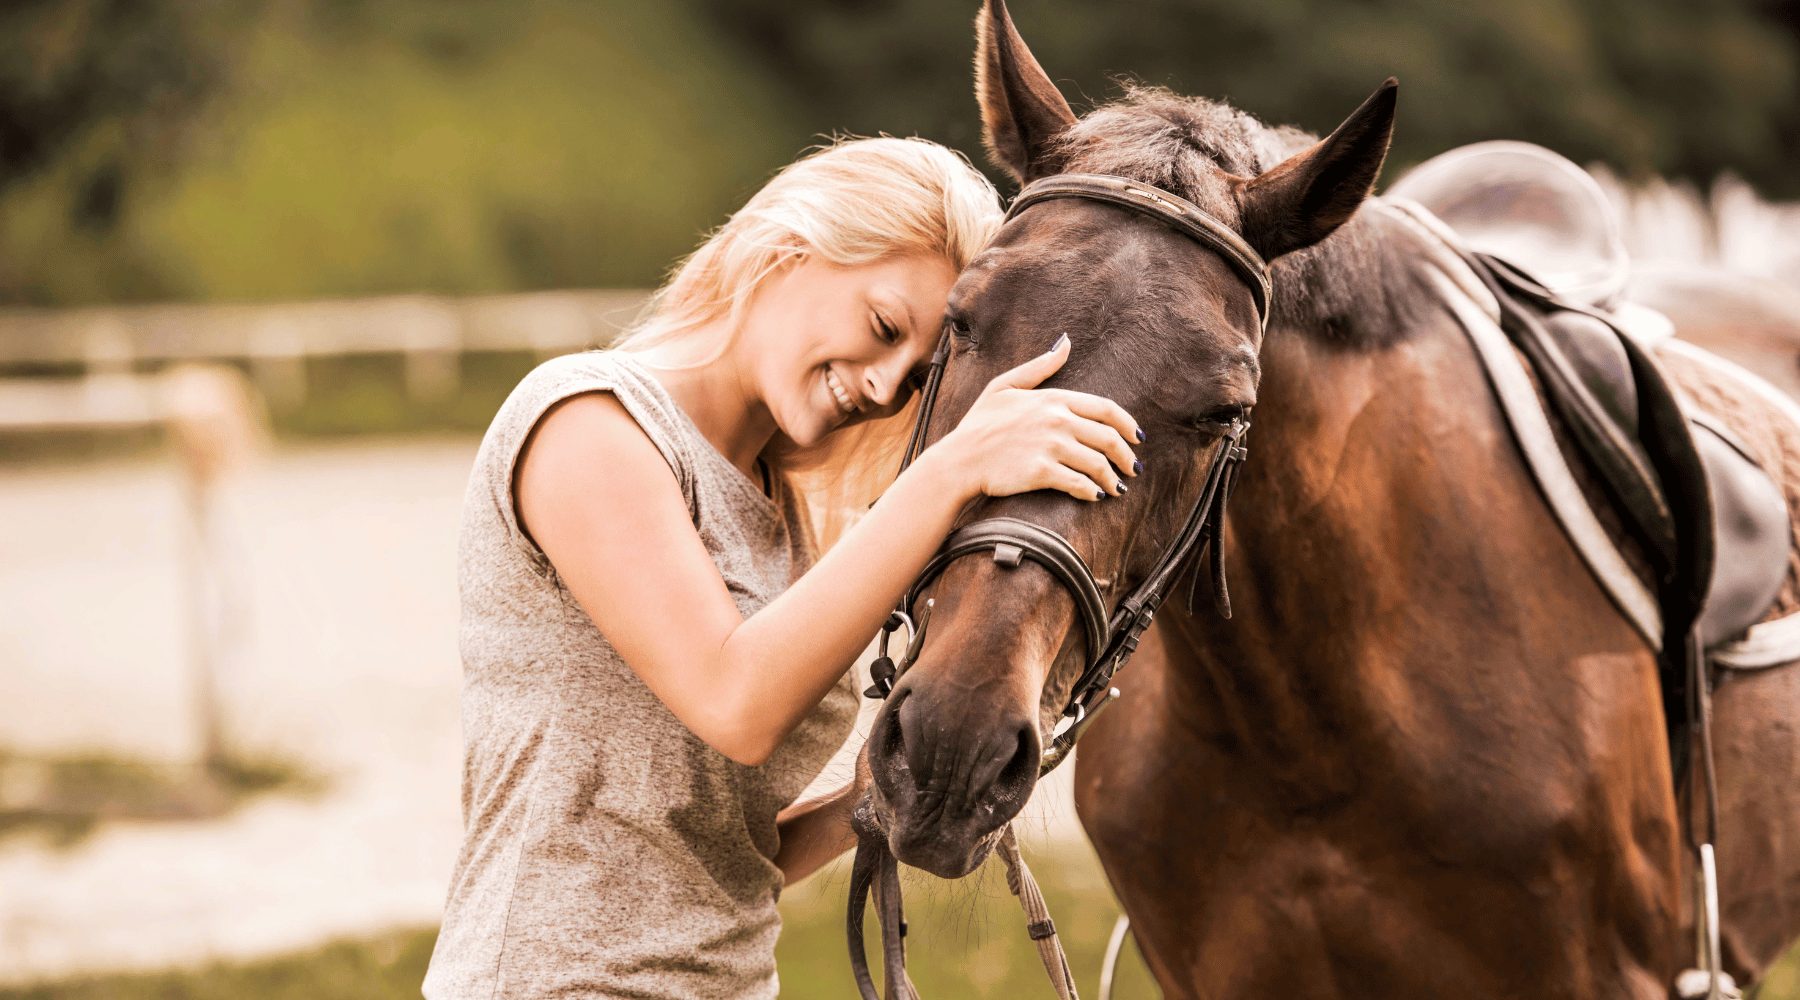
587, 455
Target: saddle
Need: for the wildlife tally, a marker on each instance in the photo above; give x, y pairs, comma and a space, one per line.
1712, 524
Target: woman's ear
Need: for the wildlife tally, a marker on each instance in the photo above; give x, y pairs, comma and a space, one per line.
1308, 196
1022, 112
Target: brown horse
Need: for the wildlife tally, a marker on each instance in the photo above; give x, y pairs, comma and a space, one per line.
1427, 755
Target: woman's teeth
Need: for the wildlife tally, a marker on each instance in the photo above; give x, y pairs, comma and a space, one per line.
837, 391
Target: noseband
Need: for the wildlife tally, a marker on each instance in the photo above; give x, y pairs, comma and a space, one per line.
1111, 638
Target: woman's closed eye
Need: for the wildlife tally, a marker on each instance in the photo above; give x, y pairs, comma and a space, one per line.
887, 332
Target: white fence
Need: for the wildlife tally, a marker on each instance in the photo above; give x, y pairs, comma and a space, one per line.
429, 332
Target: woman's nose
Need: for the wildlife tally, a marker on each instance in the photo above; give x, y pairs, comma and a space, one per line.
883, 381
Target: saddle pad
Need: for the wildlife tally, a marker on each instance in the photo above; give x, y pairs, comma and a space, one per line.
1739, 397
1767, 423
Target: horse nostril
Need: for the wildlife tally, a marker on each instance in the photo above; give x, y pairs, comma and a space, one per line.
887, 739
1022, 769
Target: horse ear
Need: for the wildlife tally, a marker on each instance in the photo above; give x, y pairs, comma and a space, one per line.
1306, 197
1022, 112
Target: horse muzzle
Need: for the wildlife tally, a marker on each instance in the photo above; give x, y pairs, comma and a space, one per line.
949, 775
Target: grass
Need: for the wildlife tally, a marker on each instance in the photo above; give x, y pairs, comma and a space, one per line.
967, 939
65, 798
387, 967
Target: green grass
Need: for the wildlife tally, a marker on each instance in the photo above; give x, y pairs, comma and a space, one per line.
64, 798
966, 940
388, 967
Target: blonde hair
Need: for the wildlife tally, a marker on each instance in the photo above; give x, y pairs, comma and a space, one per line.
851, 202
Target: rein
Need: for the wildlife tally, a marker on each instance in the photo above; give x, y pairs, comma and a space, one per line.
1112, 637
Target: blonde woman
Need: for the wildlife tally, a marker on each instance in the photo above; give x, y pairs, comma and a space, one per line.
655, 653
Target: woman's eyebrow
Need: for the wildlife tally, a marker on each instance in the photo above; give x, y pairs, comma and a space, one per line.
918, 327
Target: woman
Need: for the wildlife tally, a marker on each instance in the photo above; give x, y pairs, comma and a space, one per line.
655, 664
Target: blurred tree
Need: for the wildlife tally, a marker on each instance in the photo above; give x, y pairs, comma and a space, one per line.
68, 67
379, 146
1664, 86
256, 149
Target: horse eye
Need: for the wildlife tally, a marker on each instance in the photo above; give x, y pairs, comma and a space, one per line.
1222, 418
959, 328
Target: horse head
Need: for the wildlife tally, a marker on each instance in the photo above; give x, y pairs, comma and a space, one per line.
1161, 324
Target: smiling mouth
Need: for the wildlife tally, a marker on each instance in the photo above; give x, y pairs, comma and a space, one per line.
839, 393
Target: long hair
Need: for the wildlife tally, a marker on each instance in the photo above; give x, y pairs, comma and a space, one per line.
851, 202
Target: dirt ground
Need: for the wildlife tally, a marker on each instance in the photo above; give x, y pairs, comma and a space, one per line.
345, 664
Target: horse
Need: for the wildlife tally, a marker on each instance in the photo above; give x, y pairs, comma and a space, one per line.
1426, 755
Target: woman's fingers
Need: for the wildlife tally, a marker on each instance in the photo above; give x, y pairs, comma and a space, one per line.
1019, 438
1105, 441
1100, 408
1068, 480
1093, 466
1034, 371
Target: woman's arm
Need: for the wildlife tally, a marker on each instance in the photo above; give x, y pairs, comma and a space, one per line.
602, 503
816, 831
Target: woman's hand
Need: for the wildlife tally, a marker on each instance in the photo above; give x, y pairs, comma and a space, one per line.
816, 831
1017, 438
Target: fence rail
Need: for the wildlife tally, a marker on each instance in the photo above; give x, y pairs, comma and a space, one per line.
276, 339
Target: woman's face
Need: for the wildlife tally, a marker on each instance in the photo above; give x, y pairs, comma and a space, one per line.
831, 346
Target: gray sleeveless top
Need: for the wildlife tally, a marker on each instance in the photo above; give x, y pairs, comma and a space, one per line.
608, 851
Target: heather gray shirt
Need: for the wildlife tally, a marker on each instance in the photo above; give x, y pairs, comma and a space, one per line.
608, 851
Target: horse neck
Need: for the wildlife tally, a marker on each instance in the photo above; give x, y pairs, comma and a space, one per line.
1382, 541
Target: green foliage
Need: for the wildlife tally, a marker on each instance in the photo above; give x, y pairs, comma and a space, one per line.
68, 65
221, 149
414, 145
1664, 86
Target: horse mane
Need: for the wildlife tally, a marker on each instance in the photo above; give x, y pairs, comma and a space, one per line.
1364, 286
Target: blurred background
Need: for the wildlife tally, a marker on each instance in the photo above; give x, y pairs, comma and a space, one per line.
267, 269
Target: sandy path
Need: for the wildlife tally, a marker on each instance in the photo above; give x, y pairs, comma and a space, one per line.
349, 664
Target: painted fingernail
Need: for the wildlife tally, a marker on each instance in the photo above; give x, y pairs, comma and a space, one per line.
1140, 434
1099, 494
1137, 468
1123, 489
1059, 343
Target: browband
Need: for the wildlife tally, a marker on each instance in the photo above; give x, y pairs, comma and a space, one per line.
1177, 213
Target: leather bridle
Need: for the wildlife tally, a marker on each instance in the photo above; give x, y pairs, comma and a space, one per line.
1111, 638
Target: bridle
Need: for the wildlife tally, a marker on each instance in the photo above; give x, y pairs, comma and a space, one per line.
1111, 638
